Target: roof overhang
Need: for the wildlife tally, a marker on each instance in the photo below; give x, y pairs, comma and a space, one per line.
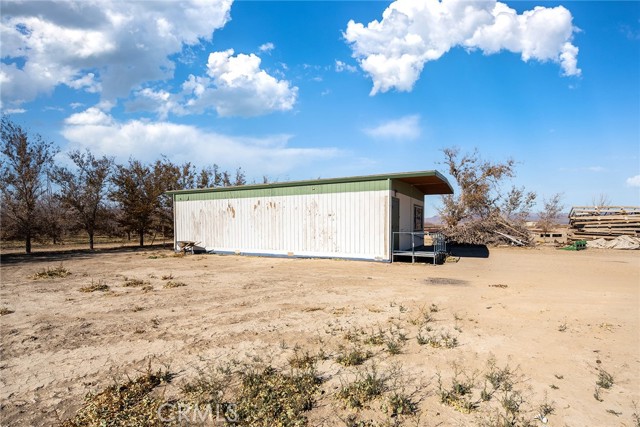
427, 182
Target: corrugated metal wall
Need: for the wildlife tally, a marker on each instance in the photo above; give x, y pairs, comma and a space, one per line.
345, 224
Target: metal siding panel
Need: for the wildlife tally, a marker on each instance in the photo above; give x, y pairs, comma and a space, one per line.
334, 224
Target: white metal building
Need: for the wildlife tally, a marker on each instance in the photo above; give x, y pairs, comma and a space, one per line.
352, 217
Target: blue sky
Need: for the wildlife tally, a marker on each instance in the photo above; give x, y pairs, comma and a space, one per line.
307, 89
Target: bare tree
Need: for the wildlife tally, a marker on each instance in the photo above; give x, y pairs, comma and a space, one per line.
552, 208
226, 179
210, 176
25, 162
56, 224
479, 182
517, 204
140, 189
601, 200
137, 189
171, 177
240, 177
84, 189
482, 212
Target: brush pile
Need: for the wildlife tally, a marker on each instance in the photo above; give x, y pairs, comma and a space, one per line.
607, 222
493, 230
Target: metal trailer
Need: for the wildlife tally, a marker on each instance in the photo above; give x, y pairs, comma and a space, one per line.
350, 218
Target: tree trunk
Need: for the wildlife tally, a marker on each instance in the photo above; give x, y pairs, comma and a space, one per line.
27, 246
141, 238
91, 240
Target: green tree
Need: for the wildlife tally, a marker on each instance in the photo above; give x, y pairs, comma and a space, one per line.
83, 190
24, 164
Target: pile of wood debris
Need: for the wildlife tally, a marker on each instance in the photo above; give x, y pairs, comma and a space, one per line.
607, 222
493, 230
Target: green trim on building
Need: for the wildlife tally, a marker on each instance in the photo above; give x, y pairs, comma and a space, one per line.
403, 175
406, 189
274, 190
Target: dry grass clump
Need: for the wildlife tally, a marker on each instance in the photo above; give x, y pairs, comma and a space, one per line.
375, 337
496, 392
127, 404
94, 287
4, 311
352, 357
368, 385
51, 273
459, 395
171, 284
438, 340
302, 360
399, 403
208, 388
269, 397
134, 283
604, 381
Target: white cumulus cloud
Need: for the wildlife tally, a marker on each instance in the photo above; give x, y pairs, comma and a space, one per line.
633, 181
405, 128
235, 85
394, 50
271, 154
106, 46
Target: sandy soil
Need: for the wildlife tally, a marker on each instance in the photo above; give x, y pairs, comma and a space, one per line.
558, 316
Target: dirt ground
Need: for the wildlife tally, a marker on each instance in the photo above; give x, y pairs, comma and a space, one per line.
556, 317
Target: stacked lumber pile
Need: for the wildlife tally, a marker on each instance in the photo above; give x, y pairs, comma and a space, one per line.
607, 222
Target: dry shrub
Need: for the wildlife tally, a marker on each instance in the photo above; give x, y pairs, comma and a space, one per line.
127, 404
172, 284
368, 385
94, 287
51, 273
302, 360
269, 397
352, 357
438, 340
134, 283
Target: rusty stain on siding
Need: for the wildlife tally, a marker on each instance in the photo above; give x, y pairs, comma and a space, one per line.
353, 224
